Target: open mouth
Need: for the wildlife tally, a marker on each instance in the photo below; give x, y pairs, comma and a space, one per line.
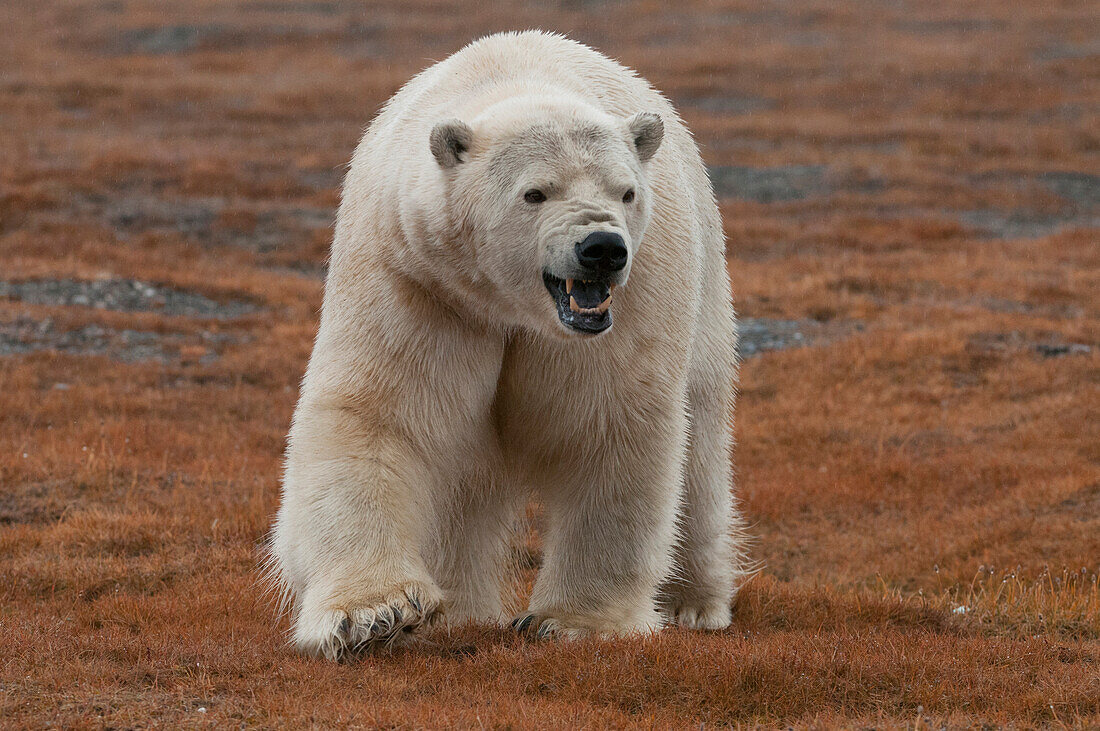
583, 305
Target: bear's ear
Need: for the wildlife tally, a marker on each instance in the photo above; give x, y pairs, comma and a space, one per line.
646, 130
450, 141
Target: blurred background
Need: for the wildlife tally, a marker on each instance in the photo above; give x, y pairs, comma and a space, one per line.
911, 197
826, 124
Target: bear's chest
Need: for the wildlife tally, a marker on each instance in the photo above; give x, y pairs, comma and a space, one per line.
562, 406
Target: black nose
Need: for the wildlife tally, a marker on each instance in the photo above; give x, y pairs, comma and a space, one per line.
602, 251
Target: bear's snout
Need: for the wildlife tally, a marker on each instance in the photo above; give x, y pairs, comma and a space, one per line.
602, 252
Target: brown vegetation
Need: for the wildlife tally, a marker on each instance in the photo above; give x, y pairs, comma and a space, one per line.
914, 184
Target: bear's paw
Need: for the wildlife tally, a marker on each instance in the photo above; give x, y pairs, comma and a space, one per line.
549, 626
363, 626
711, 616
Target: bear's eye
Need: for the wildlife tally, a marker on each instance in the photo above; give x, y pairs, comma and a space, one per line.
628, 196
534, 196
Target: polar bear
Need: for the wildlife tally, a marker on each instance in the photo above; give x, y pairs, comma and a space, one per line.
527, 295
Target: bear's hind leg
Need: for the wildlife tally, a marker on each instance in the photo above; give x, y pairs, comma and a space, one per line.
709, 556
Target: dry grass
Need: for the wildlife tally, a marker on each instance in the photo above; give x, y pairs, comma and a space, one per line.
1062, 605
940, 448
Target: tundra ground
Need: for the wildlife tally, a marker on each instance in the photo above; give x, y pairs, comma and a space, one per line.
912, 206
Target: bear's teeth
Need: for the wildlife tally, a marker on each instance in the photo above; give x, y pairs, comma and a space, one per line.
568, 286
573, 303
602, 307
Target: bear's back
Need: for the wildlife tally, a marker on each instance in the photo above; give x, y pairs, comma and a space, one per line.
514, 63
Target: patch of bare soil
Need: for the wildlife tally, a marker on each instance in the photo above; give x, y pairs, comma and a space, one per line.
25, 335
760, 334
124, 295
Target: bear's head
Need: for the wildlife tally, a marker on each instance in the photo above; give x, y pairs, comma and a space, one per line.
554, 200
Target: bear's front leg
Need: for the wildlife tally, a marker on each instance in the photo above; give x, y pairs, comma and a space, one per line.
608, 541
346, 542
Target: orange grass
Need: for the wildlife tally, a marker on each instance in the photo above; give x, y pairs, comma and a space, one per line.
923, 480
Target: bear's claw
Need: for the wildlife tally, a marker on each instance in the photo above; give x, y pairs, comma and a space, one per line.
544, 628
520, 623
340, 634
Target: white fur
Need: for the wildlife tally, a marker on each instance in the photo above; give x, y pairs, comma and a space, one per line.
443, 391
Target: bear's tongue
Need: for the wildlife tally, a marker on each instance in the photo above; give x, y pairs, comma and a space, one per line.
585, 295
